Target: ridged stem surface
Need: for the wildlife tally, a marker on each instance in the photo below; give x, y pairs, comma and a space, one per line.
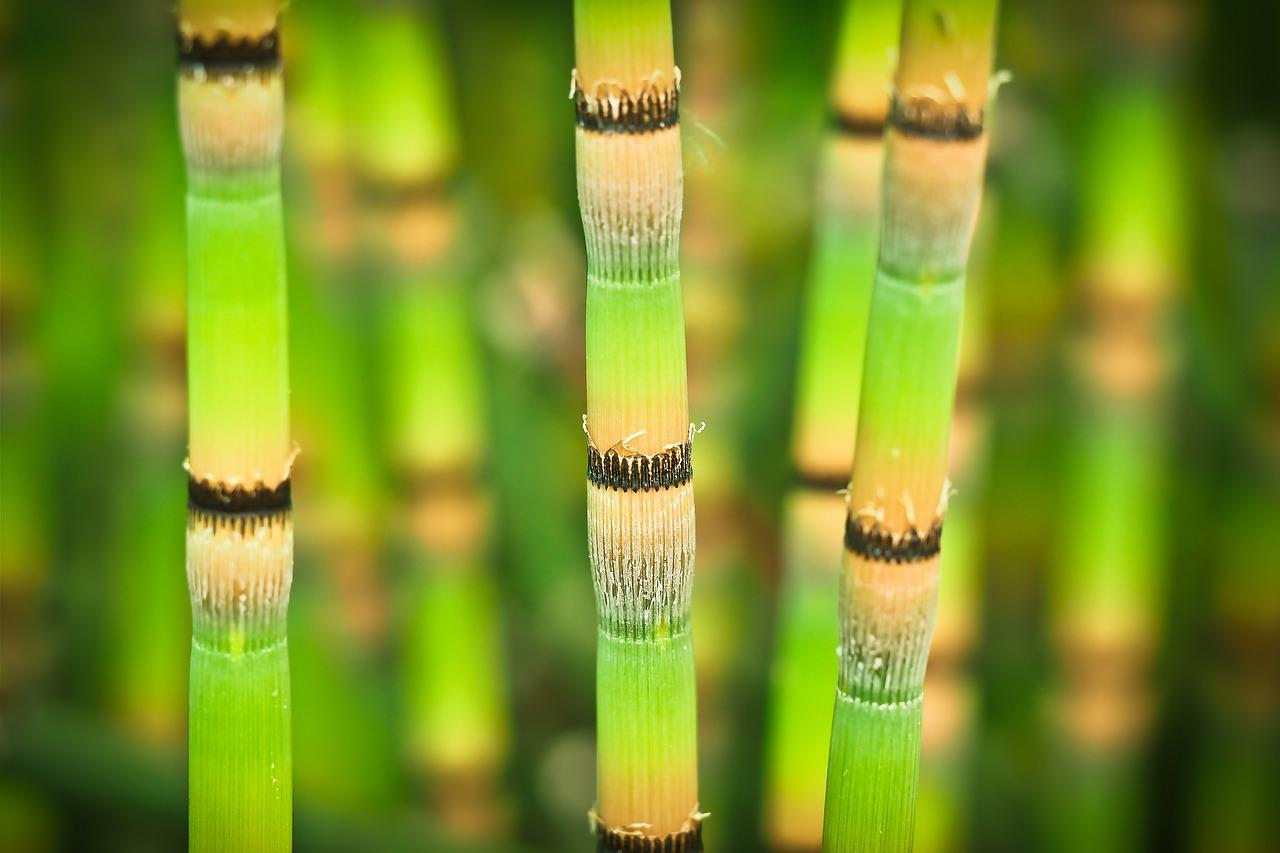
640, 492
934, 164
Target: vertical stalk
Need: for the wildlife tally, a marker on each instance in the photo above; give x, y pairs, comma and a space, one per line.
639, 454
897, 494
239, 520
452, 672
1108, 583
826, 418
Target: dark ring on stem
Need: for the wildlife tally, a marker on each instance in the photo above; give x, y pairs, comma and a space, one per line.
828, 483
242, 523
876, 543
219, 497
615, 841
228, 53
653, 109
403, 194
924, 118
857, 126
638, 473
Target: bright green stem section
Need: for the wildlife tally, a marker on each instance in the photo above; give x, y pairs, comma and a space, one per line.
1115, 476
1133, 202
635, 348
908, 384
401, 126
435, 418
871, 781
804, 668
835, 327
241, 792
865, 58
237, 326
616, 28
455, 704
646, 711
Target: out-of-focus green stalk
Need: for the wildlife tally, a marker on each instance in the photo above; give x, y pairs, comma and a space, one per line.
897, 495
451, 672
148, 623
1108, 586
239, 524
826, 418
639, 492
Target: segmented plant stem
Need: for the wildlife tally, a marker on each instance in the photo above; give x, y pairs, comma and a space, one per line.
897, 494
826, 417
239, 524
1108, 584
434, 413
640, 492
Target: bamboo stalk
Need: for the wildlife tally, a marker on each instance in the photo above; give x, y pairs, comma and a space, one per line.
239, 523
639, 472
897, 493
826, 418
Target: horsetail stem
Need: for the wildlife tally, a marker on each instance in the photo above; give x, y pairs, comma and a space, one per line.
639, 491
826, 418
407, 154
239, 521
1109, 580
897, 494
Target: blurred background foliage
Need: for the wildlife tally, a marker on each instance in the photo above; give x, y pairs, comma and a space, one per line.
94, 624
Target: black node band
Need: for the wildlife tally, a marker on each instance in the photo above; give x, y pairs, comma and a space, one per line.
653, 109
637, 473
876, 543
228, 53
926, 119
857, 126
614, 841
258, 499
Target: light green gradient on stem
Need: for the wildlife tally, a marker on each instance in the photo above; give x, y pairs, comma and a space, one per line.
908, 388
646, 724
635, 344
871, 782
237, 324
241, 788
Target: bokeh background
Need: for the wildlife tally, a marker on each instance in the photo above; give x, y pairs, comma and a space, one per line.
1045, 742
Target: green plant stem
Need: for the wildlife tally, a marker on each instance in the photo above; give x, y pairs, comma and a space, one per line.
639, 491
826, 418
239, 520
897, 494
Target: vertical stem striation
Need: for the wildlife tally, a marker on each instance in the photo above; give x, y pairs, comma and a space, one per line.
897, 493
826, 418
640, 492
239, 527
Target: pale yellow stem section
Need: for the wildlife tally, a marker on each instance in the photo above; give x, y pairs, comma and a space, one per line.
235, 18
230, 122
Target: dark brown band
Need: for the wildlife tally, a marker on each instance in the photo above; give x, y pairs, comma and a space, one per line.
927, 119
653, 109
230, 54
637, 473
875, 543
405, 194
827, 483
857, 126
255, 500
613, 841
